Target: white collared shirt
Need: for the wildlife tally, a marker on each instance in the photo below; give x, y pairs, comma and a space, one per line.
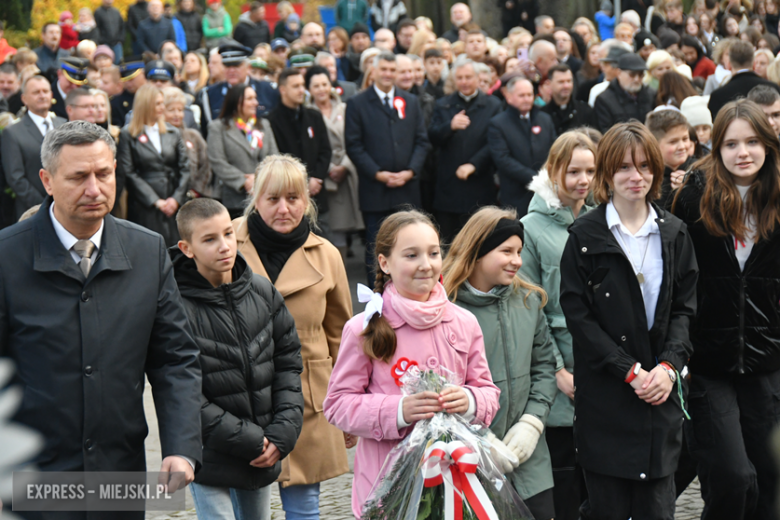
153, 133
382, 95
38, 120
743, 248
68, 240
648, 239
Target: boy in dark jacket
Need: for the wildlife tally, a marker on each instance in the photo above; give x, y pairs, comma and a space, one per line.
251, 402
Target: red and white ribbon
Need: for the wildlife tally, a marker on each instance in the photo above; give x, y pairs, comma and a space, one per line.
455, 465
400, 106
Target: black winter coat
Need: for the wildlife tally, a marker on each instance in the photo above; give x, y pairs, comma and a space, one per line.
519, 149
192, 23
303, 134
151, 176
577, 113
111, 26
469, 146
250, 34
82, 347
737, 327
136, 13
617, 434
614, 106
378, 140
251, 361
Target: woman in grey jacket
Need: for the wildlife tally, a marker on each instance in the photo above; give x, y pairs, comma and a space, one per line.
560, 190
237, 142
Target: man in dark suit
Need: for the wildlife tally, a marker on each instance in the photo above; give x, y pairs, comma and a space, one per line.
742, 80
67, 277
21, 144
563, 46
566, 112
386, 140
520, 139
71, 74
464, 180
301, 132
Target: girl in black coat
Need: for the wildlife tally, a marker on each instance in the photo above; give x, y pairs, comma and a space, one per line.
731, 203
628, 291
250, 355
154, 160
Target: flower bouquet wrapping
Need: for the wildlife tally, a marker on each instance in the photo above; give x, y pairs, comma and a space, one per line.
443, 470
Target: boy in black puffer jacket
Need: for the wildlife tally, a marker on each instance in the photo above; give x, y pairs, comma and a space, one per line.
252, 405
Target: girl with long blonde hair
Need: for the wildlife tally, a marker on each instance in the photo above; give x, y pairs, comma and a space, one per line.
481, 275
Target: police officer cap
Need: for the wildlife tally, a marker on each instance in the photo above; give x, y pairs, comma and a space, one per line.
75, 69
234, 54
131, 67
159, 70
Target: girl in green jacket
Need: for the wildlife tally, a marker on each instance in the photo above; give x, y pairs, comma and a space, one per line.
481, 275
560, 190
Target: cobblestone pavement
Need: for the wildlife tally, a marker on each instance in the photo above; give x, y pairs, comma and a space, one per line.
335, 497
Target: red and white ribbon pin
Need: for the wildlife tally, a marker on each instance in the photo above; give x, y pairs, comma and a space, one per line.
400, 105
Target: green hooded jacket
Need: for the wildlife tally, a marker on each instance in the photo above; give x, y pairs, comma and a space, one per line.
546, 232
523, 368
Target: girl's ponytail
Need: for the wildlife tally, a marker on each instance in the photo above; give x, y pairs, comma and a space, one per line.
379, 341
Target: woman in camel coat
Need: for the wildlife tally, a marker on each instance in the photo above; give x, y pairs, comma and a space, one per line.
275, 238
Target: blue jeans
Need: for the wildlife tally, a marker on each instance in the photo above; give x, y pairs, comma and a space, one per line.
217, 503
118, 53
301, 502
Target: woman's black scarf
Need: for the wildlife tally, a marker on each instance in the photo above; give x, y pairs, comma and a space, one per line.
275, 248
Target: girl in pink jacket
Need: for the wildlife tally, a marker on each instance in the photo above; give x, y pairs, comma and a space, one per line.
413, 320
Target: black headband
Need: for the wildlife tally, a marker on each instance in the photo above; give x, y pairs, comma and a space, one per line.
505, 228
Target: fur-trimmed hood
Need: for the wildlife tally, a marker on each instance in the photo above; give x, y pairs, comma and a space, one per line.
546, 201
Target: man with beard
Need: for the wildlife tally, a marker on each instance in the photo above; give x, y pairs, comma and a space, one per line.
626, 97
460, 15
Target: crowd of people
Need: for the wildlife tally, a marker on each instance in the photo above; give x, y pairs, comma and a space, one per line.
582, 223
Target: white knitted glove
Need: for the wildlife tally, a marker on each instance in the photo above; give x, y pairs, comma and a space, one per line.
505, 460
522, 438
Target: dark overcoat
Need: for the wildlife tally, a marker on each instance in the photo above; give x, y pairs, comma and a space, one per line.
519, 149
152, 176
82, 346
458, 147
377, 139
616, 433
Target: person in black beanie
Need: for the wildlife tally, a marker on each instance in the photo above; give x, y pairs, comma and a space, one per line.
359, 40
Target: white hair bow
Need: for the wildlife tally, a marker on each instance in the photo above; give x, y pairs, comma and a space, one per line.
373, 301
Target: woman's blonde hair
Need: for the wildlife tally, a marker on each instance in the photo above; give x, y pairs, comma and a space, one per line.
278, 174
654, 60
174, 95
419, 42
594, 34
561, 152
144, 111
462, 257
203, 75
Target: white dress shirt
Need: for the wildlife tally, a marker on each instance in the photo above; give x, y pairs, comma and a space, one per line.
153, 133
645, 244
38, 120
68, 240
382, 95
743, 248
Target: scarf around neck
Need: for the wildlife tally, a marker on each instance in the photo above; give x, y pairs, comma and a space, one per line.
275, 248
419, 315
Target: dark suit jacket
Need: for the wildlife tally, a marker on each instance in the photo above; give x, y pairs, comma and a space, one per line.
458, 147
738, 86
58, 102
21, 153
519, 149
82, 346
379, 140
152, 176
303, 134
